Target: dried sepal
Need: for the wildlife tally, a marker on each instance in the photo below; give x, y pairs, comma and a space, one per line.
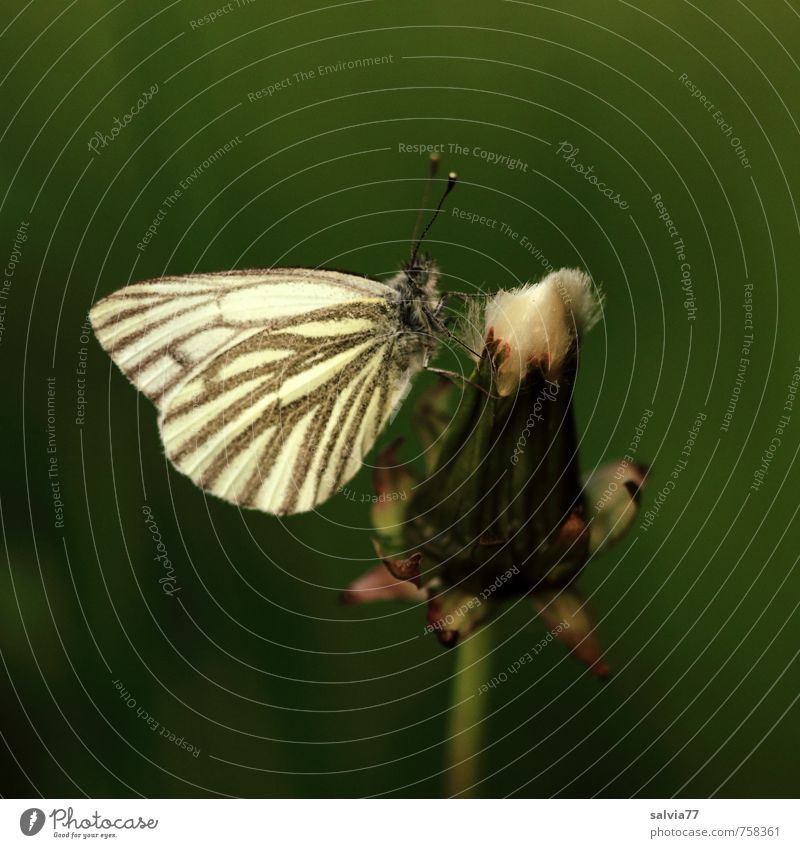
567, 615
379, 585
401, 569
454, 613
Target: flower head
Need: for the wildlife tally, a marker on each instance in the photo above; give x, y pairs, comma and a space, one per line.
538, 325
501, 509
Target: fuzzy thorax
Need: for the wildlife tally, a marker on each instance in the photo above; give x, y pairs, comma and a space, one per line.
538, 325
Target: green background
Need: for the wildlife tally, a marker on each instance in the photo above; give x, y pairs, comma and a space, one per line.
285, 691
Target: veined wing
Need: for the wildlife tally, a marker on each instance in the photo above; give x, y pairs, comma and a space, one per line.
272, 385
159, 331
281, 420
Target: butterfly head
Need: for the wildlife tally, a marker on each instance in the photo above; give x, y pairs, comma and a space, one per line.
421, 271
423, 277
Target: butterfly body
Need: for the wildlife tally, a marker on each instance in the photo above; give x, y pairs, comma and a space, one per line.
272, 385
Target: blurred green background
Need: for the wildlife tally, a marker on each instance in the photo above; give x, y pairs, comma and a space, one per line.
284, 691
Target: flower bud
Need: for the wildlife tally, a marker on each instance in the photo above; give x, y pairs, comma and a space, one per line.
613, 492
539, 324
499, 510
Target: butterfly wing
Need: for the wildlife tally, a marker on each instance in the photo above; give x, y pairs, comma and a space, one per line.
272, 385
158, 331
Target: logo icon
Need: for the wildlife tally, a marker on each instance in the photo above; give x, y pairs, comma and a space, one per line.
31, 821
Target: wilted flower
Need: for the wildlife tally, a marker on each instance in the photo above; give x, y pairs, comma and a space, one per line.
501, 509
539, 325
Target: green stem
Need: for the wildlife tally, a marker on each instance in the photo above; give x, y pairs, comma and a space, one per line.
466, 722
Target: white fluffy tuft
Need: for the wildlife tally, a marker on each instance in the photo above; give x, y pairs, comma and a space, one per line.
538, 323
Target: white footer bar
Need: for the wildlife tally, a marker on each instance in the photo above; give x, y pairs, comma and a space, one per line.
401, 823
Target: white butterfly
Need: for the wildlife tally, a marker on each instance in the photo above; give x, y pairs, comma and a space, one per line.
272, 385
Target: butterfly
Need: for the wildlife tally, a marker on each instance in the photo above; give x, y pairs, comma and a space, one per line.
272, 385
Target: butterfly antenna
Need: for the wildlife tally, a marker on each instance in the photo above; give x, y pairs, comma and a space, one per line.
433, 167
451, 181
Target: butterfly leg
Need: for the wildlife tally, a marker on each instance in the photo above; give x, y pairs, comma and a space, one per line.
442, 323
443, 301
454, 376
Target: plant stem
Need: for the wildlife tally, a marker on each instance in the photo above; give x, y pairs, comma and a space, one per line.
466, 719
